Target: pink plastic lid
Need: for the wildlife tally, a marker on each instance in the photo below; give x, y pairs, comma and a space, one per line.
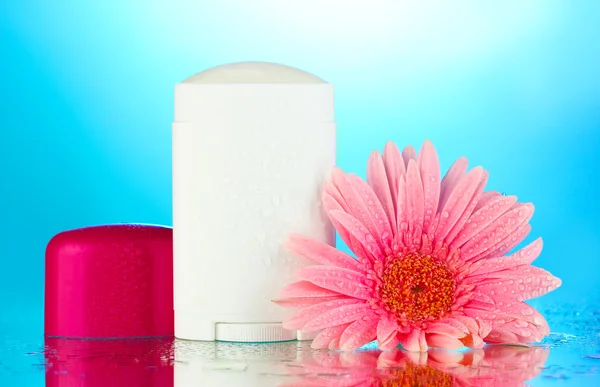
109, 282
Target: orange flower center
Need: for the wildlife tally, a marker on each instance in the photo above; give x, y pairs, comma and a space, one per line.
414, 375
417, 288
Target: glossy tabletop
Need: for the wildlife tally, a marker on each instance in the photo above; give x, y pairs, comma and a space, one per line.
570, 356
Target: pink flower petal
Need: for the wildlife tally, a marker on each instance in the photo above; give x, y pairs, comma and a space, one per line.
377, 178
337, 316
484, 328
305, 289
473, 340
402, 209
485, 198
364, 257
501, 336
442, 341
324, 338
359, 333
429, 164
525, 331
394, 169
344, 281
464, 218
379, 221
413, 341
484, 268
358, 208
482, 218
504, 309
522, 282
503, 227
357, 230
426, 246
529, 253
304, 302
506, 245
448, 327
451, 179
391, 343
458, 201
300, 318
481, 297
468, 322
331, 204
416, 200
387, 333
337, 200
409, 153
334, 345
322, 253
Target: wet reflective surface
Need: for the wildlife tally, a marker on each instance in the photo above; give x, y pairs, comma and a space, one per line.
570, 356
151, 363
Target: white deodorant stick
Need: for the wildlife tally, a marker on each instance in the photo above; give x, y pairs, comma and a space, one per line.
253, 144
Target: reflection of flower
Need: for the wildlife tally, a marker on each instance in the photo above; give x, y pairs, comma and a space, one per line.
492, 366
431, 269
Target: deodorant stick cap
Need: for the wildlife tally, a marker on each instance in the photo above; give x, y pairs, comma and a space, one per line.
253, 72
110, 281
267, 92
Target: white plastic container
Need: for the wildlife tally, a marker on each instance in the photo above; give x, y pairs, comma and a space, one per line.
253, 144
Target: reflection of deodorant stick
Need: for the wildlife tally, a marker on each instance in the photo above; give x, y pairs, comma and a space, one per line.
253, 144
215, 364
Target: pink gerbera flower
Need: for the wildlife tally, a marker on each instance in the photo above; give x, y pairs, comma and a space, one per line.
430, 267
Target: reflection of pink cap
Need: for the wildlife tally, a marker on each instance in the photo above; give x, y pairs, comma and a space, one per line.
109, 282
104, 363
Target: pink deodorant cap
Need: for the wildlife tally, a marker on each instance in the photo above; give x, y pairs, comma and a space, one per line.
111, 281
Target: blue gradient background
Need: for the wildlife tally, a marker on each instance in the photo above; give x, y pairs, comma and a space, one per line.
87, 96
